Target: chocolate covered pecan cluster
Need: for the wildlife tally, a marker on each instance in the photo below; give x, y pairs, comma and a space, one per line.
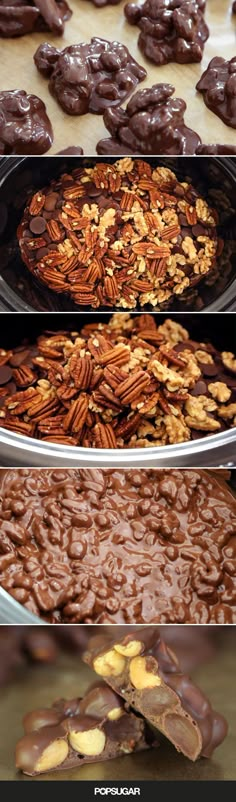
18, 17
89, 77
24, 124
121, 234
152, 123
218, 86
171, 30
125, 383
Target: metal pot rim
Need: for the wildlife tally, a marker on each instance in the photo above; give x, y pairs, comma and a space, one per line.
42, 448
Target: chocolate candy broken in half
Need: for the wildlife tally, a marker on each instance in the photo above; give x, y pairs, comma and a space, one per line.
146, 673
70, 733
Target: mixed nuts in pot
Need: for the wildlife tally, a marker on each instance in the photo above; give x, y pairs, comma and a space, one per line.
125, 383
119, 235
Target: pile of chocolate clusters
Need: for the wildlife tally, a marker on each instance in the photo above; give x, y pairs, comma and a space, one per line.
98, 76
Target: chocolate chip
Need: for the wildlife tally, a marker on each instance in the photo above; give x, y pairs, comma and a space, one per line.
208, 370
5, 374
200, 388
37, 225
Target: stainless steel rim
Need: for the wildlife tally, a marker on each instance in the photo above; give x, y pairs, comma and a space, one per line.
29, 444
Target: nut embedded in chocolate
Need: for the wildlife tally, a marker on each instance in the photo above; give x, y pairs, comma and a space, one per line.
119, 235
150, 545
87, 738
218, 86
153, 685
152, 124
24, 125
89, 77
171, 30
19, 17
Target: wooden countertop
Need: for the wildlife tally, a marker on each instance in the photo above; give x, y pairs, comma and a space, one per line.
17, 70
39, 686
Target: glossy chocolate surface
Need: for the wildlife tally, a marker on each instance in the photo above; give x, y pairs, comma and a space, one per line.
175, 705
171, 30
89, 77
216, 150
115, 546
24, 125
152, 124
119, 235
218, 86
19, 17
123, 735
71, 151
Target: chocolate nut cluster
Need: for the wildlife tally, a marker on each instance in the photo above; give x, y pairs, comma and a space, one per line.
82, 730
171, 30
121, 234
146, 674
18, 17
29, 645
127, 383
89, 77
152, 123
22, 646
119, 546
24, 124
218, 86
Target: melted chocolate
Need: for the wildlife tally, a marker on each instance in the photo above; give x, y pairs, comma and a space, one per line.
134, 546
218, 86
19, 17
24, 125
89, 77
171, 30
152, 124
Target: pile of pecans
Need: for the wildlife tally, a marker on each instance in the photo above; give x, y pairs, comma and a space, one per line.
119, 235
125, 383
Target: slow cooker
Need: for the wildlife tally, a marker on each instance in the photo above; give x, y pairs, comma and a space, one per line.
214, 450
20, 177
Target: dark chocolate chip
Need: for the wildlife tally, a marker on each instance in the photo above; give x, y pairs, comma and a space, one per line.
37, 225
5, 374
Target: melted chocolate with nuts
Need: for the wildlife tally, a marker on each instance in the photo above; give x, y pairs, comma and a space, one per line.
126, 383
152, 123
24, 125
218, 86
87, 730
89, 77
115, 546
18, 17
142, 669
171, 30
119, 235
